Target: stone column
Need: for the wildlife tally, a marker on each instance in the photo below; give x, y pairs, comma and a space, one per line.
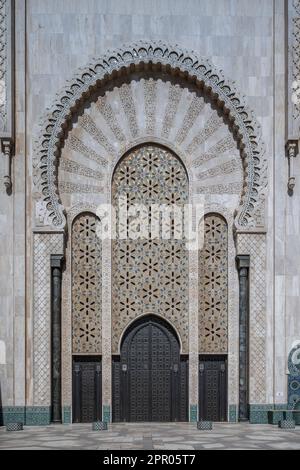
243, 264
106, 332
56, 270
193, 336
7, 153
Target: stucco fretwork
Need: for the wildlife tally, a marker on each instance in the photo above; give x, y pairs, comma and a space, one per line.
86, 285
296, 56
180, 66
150, 275
44, 246
213, 286
3, 63
255, 246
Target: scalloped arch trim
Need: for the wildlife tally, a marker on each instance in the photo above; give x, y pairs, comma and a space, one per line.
168, 58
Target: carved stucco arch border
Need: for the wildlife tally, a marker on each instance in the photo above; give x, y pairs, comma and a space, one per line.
144, 315
174, 61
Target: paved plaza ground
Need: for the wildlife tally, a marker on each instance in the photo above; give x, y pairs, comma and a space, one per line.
152, 436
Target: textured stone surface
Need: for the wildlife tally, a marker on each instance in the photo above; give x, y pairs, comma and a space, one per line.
44, 246
255, 246
151, 436
213, 287
244, 39
86, 286
150, 275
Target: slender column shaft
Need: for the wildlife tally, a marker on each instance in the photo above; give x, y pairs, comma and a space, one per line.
243, 267
56, 265
7, 150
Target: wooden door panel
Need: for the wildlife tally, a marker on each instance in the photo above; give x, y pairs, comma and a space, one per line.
147, 380
213, 388
87, 393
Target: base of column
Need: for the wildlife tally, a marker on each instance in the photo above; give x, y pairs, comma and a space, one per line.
106, 413
193, 413
233, 413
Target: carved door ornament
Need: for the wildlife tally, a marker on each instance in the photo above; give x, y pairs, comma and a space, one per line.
150, 275
213, 286
86, 285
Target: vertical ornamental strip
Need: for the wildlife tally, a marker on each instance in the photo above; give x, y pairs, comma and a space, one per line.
56, 272
7, 95
243, 265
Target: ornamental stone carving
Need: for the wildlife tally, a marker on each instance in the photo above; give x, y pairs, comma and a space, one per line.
296, 59
213, 287
86, 285
150, 274
156, 58
6, 31
294, 377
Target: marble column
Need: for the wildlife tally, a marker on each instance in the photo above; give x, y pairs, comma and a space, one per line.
56, 273
243, 264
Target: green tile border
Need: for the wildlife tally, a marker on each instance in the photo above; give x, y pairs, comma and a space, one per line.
233, 413
258, 414
66, 414
106, 414
12, 414
38, 415
193, 413
282, 406
41, 415
29, 415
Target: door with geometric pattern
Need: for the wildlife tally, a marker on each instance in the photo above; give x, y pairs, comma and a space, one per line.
150, 380
213, 388
87, 393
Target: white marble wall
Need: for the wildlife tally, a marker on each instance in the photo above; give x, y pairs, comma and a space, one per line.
292, 215
239, 37
12, 241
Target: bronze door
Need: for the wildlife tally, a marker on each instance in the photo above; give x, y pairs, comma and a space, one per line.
87, 399
150, 378
213, 388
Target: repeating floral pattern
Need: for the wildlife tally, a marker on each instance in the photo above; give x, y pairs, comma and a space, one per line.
3, 63
86, 285
296, 57
213, 286
150, 275
138, 57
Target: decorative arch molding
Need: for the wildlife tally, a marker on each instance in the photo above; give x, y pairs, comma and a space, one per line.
78, 209
140, 57
153, 140
144, 316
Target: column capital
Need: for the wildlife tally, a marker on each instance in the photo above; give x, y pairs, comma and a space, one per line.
6, 149
292, 148
243, 261
56, 261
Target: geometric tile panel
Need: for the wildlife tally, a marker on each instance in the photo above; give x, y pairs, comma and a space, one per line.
213, 286
294, 379
150, 275
255, 246
44, 246
86, 285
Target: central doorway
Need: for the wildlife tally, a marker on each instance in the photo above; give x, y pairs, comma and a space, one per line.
150, 376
